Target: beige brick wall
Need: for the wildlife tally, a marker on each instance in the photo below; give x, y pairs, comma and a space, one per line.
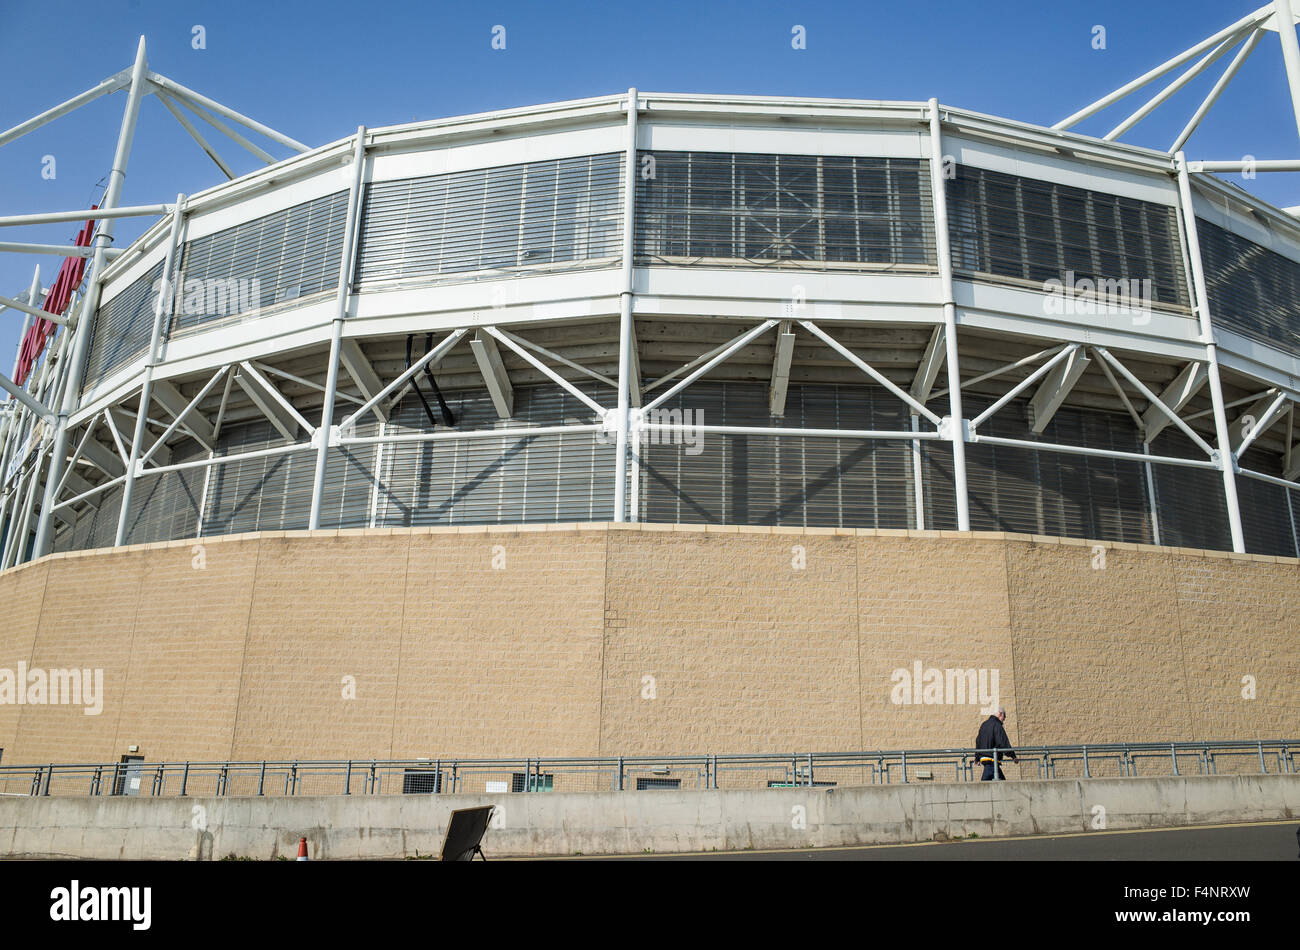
22, 592
604, 639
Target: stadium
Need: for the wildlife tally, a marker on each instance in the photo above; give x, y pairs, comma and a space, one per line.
660, 423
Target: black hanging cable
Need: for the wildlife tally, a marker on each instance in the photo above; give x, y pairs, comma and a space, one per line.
428, 410
448, 419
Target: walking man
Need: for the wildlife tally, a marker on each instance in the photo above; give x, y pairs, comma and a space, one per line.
993, 736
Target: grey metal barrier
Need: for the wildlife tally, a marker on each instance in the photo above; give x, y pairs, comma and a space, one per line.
646, 773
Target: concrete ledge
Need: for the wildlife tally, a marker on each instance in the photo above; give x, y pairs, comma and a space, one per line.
407, 826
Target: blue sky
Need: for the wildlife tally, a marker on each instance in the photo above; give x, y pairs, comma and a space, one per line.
318, 70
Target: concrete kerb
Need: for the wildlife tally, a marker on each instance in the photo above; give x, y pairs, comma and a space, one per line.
408, 826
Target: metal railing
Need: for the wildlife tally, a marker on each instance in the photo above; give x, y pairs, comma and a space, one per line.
643, 773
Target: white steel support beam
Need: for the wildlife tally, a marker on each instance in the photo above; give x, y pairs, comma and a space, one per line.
103, 458
170, 105
126, 422
48, 387
13, 389
186, 411
634, 387
1247, 165
1024, 384
162, 311
1151, 492
626, 332
918, 479
931, 363
258, 152
363, 374
278, 410
111, 84
221, 407
97, 214
1208, 60
180, 409
189, 95
1247, 48
33, 312
71, 383
54, 250
494, 373
687, 367
1253, 19
1227, 460
721, 356
565, 361
1123, 396
429, 359
325, 431
1055, 387
1255, 421
956, 422
545, 370
1284, 20
1175, 396
781, 358
1155, 401
870, 370
122, 453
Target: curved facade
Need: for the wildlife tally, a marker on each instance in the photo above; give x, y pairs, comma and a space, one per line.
828, 313
538, 640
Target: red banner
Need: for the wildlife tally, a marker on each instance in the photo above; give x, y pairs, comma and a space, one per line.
56, 301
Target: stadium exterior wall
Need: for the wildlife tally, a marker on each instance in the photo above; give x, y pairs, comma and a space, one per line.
537, 640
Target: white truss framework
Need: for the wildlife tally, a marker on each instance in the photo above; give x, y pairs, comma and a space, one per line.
39, 477
1278, 17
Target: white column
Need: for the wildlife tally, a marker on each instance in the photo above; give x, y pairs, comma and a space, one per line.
11, 421
956, 423
1227, 460
625, 332
1284, 18
163, 310
86, 322
336, 337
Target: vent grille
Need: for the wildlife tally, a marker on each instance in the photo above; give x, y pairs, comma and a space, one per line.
799, 210
1252, 290
1028, 230
511, 219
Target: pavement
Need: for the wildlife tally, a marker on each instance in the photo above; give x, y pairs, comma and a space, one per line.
1255, 841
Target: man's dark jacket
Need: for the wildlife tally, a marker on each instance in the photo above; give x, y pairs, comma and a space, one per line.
993, 736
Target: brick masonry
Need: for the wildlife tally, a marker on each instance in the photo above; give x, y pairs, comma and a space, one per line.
600, 639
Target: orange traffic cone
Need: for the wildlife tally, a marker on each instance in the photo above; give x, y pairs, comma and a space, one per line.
302, 849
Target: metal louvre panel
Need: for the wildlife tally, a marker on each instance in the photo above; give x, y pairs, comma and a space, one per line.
566, 210
780, 480
549, 478
123, 327
1266, 519
1252, 290
281, 256
259, 494
1189, 501
800, 210
1025, 229
349, 477
165, 507
1043, 492
94, 527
